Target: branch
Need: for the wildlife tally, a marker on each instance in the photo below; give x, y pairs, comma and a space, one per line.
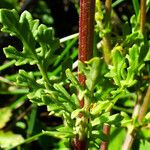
131, 134
106, 44
106, 41
138, 109
145, 105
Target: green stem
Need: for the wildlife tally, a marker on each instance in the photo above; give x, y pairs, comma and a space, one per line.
18, 102
129, 111
117, 2
15, 92
28, 140
62, 55
7, 65
32, 120
108, 8
136, 6
45, 76
106, 41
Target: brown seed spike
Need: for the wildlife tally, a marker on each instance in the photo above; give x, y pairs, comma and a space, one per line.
86, 34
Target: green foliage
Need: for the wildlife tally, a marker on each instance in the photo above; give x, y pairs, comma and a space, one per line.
9, 4
105, 86
9, 139
5, 114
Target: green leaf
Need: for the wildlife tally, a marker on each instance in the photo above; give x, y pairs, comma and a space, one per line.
9, 19
117, 71
29, 32
21, 58
9, 4
65, 129
22, 28
5, 114
92, 71
76, 113
62, 90
147, 57
134, 65
75, 100
146, 119
9, 139
27, 79
115, 119
73, 79
117, 136
144, 145
100, 106
45, 37
100, 120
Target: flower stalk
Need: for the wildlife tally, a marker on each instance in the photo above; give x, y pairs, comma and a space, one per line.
86, 37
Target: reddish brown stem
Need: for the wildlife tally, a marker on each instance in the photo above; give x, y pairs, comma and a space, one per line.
86, 35
86, 32
79, 144
104, 144
86, 29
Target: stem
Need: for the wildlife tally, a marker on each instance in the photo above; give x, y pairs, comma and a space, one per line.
128, 141
28, 140
137, 109
86, 34
106, 41
139, 112
142, 15
70, 37
7, 65
106, 44
144, 106
86, 29
45, 76
106, 130
86, 39
108, 6
130, 135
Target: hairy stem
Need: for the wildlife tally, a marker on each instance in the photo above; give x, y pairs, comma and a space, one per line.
86, 36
